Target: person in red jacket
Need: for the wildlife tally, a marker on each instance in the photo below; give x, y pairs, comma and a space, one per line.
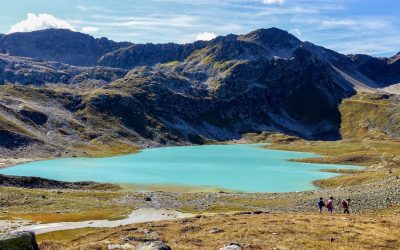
329, 205
345, 205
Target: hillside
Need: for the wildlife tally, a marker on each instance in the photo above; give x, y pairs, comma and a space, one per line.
170, 94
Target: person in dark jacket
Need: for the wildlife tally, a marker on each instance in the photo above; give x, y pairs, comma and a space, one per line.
321, 204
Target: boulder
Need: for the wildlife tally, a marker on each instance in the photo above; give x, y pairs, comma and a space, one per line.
18, 241
153, 245
232, 246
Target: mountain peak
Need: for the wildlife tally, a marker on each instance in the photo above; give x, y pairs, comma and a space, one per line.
271, 38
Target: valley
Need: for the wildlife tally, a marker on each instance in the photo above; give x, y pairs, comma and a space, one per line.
80, 96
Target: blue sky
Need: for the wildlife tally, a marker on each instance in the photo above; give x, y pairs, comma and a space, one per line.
347, 26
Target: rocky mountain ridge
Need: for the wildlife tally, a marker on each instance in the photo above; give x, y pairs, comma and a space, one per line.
59, 45
168, 94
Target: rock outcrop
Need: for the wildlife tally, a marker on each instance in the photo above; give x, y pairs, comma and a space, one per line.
18, 241
153, 245
232, 246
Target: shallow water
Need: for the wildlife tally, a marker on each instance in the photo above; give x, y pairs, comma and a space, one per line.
241, 167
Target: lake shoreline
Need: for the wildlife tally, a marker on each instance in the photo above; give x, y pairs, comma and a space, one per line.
264, 164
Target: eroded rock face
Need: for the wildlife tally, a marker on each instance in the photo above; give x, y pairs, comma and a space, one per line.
153, 245
18, 241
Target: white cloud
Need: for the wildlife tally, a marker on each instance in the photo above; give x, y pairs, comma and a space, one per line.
89, 29
295, 31
272, 1
205, 36
81, 7
40, 22
364, 23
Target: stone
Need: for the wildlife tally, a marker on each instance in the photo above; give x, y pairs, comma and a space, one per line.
19, 241
118, 246
153, 245
216, 231
232, 246
147, 199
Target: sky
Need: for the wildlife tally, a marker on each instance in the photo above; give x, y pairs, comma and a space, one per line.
347, 26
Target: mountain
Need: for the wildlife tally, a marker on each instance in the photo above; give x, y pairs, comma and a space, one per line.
59, 45
384, 70
267, 80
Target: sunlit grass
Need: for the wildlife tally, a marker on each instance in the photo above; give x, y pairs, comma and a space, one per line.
263, 231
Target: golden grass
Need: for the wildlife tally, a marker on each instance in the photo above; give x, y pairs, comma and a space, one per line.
351, 179
382, 155
65, 235
112, 147
355, 152
263, 231
54, 206
367, 115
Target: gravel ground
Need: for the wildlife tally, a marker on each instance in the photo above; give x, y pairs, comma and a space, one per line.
365, 197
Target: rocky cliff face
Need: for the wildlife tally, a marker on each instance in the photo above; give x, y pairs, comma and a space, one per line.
383, 70
59, 45
148, 54
266, 80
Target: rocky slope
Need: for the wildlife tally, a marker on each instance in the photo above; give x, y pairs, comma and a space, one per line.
59, 45
267, 80
25, 70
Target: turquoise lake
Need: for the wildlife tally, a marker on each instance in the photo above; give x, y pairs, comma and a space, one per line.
242, 167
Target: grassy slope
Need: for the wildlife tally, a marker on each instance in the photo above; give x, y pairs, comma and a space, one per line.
380, 156
367, 115
264, 231
54, 206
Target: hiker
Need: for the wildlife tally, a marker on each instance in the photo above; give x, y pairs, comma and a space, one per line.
329, 205
345, 205
321, 204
